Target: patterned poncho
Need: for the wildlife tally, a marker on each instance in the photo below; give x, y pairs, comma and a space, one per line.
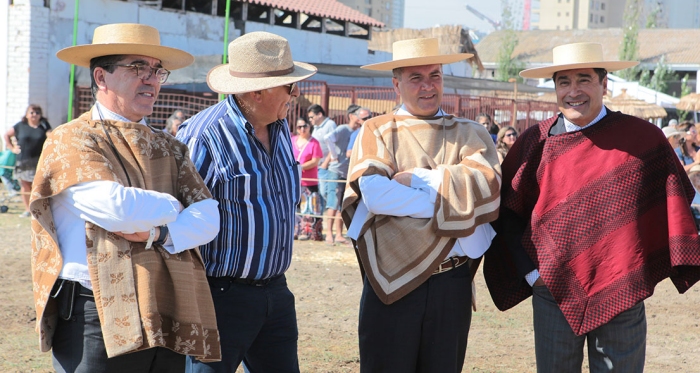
607, 216
397, 254
145, 298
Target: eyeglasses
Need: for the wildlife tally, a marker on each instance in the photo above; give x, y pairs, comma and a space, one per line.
365, 118
34, 112
303, 126
510, 135
144, 72
291, 87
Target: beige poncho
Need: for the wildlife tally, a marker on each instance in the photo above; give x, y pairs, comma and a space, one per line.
145, 298
398, 254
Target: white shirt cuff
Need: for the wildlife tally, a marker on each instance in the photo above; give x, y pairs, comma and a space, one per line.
532, 277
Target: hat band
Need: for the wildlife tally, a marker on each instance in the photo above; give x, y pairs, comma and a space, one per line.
240, 74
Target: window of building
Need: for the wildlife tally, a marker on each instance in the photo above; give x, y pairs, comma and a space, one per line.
602, 6
567, 14
388, 6
558, 14
590, 18
602, 19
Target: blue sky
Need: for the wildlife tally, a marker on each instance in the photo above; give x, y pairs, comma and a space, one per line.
428, 13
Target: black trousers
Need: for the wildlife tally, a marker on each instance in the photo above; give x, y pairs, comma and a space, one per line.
425, 331
78, 346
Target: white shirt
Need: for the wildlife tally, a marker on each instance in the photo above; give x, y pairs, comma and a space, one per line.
382, 196
117, 208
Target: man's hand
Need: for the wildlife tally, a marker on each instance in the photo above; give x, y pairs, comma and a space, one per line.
404, 177
137, 236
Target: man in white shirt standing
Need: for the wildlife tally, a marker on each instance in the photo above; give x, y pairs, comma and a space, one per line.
422, 188
119, 211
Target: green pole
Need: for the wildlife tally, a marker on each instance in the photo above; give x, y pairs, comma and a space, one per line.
224, 57
72, 67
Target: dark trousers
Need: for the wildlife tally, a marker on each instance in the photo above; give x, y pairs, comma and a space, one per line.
425, 331
78, 346
618, 346
257, 325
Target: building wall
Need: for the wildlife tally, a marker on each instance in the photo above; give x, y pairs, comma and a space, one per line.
4, 114
580, 14
27, 59
389, 12
680, 13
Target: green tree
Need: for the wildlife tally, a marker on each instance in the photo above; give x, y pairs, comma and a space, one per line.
685, 90
507, 66
662, 75
629, 48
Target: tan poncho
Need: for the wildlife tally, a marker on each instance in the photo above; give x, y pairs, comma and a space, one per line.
145, 298
399, 253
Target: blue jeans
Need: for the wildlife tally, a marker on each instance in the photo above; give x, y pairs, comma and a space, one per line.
328, 189
257, 326
617, 346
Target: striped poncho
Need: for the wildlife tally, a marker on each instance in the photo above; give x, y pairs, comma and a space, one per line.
397, 254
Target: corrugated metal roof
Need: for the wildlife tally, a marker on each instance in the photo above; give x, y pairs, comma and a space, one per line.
321, 8
535, 46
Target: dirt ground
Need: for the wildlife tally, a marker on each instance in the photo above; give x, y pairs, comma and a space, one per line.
326, 282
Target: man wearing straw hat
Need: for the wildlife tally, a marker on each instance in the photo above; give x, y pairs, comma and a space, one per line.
242, 148
119, 211
591, 220
422, 186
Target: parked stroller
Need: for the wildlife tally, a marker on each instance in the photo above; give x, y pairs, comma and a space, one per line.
10, 185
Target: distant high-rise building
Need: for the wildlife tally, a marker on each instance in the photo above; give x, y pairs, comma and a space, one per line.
389, 12
580, 14
674, 13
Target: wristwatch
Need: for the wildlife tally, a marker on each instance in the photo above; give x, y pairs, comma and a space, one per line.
163, 236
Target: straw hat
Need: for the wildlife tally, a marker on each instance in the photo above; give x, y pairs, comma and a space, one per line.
671, 131
417, 52
126, 38
577, 56
258, 60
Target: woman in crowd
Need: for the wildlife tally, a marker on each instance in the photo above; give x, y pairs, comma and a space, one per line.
29, 135
307, 151
688, 151
504, 140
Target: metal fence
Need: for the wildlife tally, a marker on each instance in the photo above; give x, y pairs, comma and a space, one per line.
335, 99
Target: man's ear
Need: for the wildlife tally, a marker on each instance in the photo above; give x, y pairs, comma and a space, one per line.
395, 83
99, 76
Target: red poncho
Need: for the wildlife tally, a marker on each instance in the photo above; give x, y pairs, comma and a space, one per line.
607, 218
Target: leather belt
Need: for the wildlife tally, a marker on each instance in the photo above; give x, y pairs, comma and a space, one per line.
450, 263
247, 281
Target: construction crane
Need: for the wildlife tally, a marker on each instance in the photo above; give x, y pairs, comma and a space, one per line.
496, 24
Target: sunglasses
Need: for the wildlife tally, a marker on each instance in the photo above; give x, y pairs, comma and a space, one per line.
303, 126
510, 135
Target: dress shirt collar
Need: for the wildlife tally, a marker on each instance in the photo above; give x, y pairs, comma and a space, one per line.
110, 115
570, 127
402, 111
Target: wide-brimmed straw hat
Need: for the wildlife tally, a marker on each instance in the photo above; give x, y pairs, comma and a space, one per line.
126, 38
576, 56
671, 131
258, 60
417, 52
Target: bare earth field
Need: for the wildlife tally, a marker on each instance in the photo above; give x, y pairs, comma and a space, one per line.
326, 282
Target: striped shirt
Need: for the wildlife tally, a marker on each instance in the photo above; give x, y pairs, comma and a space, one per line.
257, 191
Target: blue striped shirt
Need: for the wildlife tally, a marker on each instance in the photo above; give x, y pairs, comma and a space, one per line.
257, 191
